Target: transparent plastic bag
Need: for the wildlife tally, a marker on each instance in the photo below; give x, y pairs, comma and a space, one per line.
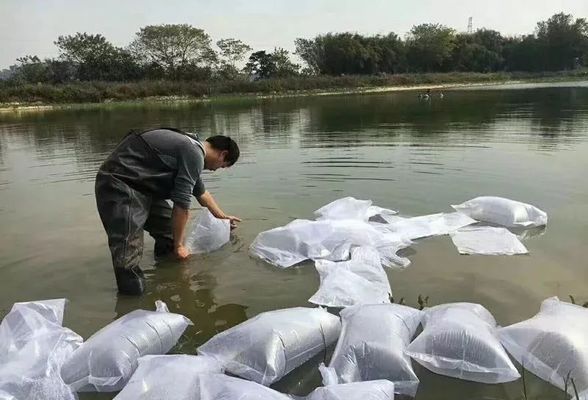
350, 208
208, 233
327, 239
372, 390
269, 346
361, 280
427, 225
168, 377
553, 344
501, 211
221, 387
485, 240
33, 346
460, 340
106, 361
372, 344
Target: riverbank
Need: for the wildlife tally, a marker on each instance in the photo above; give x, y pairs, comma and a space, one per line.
42, 96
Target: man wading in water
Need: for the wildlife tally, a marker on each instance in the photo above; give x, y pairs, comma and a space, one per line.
132, 187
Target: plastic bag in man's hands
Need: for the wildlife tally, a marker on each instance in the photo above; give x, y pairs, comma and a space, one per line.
168, 377
33, 346
267, 347
501, 211
360, 280
553, 344
106, 361
208, 233
372, 345
460, 340
372, 390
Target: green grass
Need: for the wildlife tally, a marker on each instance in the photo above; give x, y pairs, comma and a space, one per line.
104, 92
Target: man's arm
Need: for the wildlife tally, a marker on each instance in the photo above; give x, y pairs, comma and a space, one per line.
180, 216
206, 200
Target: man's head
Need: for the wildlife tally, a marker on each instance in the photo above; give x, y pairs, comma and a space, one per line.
221, 152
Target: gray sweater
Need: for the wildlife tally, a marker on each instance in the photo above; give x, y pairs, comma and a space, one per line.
184, 154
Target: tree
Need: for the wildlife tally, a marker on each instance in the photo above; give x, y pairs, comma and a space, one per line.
283, 66
430, 47
232, 51
564, 41
173, 47
479, 52
260, 65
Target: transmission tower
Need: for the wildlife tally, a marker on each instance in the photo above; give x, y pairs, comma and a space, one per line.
470, 25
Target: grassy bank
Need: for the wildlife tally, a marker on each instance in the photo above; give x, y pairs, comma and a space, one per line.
101, 92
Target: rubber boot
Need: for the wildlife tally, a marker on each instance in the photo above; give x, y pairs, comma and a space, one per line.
130, 281
163, 247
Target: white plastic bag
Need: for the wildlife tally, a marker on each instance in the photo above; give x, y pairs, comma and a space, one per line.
106, 361
208, 233
222, 387
373, 390
267, 347
460, 340
168, 377
553, 344
350, 208
427, 225
501, 211
326, 239
33, 346
372, 345
485, 240
361, 280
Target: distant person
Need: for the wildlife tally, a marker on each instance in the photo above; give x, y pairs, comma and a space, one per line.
132, 186
426, 95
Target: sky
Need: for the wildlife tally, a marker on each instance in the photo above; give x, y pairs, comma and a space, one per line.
31, 26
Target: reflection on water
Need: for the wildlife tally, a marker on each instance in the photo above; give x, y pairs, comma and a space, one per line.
298, 154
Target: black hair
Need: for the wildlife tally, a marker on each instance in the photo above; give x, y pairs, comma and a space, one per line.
225, 143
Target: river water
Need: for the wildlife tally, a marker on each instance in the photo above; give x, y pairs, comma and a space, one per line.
528, 143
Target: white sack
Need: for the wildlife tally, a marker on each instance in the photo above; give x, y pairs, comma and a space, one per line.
501, 211
488, 241
361, 280
269, 346
33, 346
553, 344
222, 387
460, 340
427, 225
372, 344
326, 239
350, 208
106, 361
208, 233
168, 377
373, 390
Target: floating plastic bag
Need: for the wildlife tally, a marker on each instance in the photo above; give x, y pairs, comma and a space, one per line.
168, 377
106, 361
372, 345
487, 240
222, 387
553, 344
327, 239
427, 225
267, 347
501, 211
350, 208
361, 280
208, 233
33, 346
460, 340
373, 390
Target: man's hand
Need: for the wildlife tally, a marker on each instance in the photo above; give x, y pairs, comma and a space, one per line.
233, 220
182, 252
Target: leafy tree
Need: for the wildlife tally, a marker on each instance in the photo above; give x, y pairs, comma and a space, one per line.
283, 65
430, 47
260, 65
564, 41
173, 47
479, 52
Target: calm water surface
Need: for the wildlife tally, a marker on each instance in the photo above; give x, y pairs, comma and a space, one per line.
527, 143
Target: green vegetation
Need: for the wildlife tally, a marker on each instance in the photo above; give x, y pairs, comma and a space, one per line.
181, 60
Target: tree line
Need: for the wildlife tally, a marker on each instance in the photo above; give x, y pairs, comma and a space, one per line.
183, 52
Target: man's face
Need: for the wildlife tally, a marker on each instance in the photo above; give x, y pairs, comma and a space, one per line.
219, 161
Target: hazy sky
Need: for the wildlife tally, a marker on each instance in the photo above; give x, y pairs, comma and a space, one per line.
31, 26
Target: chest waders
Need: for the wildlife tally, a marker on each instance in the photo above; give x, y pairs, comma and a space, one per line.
132, 186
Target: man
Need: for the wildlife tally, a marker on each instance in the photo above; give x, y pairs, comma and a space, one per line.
133, 184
